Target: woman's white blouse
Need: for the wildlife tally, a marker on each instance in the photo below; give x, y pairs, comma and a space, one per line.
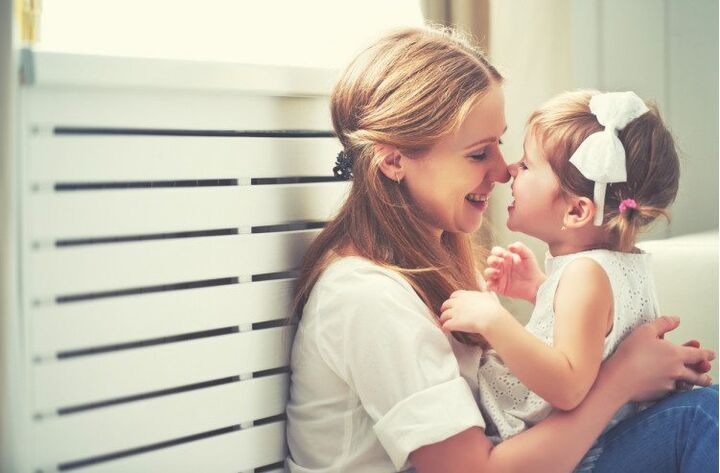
373, 376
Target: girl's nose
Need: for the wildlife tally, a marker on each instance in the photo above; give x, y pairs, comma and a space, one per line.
513, 169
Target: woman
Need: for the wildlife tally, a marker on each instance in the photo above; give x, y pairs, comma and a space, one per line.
376, 385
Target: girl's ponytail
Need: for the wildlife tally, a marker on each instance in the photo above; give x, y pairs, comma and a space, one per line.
624, 225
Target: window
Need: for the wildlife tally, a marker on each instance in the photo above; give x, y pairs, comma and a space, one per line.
324, 33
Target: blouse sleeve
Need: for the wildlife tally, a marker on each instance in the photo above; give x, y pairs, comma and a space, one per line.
379, 337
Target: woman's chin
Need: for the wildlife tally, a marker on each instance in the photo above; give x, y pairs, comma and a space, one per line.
470, 226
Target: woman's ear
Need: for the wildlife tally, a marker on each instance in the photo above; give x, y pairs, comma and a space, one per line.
579, 213
390, 162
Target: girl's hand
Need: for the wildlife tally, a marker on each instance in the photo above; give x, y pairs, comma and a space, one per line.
646, 367
514, 272
471, 311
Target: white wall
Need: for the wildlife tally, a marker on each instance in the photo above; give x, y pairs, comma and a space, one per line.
10, 364
666, 50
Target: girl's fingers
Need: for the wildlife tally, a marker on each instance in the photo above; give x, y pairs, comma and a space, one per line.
448, 325
494, 262
520, 250
445, 306
508, 260
497, 250
496, 259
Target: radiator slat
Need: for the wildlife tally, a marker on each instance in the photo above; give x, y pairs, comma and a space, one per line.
104, 213
93, 378
150, 421
236, 451
122, 319
164, 109
88, 269
55, 158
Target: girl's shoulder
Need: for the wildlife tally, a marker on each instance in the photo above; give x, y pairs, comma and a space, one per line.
609, 260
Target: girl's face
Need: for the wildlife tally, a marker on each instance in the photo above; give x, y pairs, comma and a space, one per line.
451, 183
538, 206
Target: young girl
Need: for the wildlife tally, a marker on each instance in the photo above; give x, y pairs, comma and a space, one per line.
596, 169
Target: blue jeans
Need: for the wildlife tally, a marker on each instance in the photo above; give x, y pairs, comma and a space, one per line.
677, 434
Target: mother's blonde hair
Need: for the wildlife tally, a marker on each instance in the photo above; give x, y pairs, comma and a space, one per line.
408, 90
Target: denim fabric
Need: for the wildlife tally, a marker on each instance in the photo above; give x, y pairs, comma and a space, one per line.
677, 434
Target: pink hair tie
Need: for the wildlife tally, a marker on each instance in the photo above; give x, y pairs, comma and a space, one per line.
627, 204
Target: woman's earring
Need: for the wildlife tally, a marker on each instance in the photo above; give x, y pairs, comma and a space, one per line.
397, 177
563, 228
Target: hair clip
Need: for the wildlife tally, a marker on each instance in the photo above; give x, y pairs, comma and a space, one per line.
343, 166
627, 204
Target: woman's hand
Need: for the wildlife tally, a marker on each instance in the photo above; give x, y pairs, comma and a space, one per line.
701, 367
514, 272
646, 367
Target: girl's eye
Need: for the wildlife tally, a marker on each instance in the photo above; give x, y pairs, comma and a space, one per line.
478, 156
523, 164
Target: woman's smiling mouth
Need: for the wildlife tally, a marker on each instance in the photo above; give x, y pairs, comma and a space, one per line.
478, 200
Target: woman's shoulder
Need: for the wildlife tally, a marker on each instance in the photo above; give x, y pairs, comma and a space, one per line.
355, 287
354, 274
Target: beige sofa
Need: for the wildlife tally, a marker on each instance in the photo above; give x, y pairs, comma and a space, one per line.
686, 278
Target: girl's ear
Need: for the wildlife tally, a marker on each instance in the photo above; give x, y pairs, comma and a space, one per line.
579, 213
390, 162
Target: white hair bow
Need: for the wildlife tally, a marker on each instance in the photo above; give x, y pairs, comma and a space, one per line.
601, 156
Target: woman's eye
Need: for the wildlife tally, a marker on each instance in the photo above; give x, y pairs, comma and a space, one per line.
500, 142
478, 156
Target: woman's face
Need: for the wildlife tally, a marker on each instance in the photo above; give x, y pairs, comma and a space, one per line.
451, 183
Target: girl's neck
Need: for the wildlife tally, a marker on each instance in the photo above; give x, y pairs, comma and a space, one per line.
561, 249
575, 241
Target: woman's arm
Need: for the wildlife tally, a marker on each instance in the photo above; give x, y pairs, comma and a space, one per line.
644, 367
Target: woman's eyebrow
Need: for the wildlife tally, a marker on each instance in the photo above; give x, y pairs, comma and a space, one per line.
489, 139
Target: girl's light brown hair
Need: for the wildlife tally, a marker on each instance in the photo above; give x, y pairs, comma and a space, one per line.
653, 167
408, 90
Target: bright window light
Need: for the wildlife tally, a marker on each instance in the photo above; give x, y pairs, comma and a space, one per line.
323, 33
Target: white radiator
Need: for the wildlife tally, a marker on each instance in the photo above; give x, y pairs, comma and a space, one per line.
163, 209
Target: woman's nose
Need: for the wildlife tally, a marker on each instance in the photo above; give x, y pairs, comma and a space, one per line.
501, 173
513, 169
